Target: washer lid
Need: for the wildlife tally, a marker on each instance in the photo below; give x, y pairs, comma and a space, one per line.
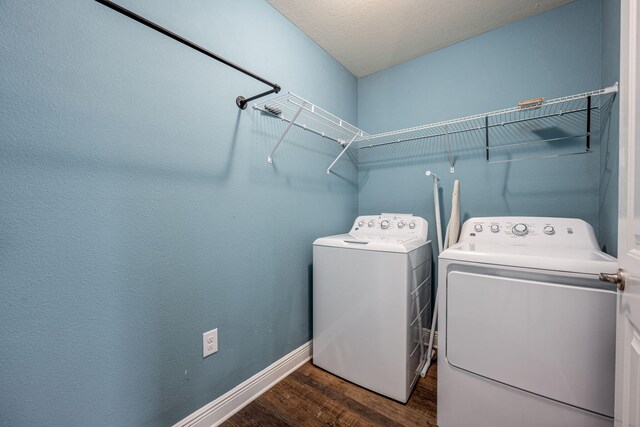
387, 232
558, 244
371, 243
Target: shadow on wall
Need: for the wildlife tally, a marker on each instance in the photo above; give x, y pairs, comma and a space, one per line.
297, 144
192, 167
127, 157
608, 164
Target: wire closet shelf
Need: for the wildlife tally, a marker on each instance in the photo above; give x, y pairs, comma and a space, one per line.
301, 113
304, 114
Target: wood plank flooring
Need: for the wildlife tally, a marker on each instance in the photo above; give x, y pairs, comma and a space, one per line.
313, 397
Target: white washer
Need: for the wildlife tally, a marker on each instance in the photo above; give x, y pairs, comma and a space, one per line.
526, 330
371, 299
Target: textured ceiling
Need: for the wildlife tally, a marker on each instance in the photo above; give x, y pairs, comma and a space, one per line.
370, 35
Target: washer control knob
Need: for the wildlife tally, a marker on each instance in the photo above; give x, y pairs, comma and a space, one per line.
401, 224
495, 228
520, 229
412, 225
360, 223
478, 228
549, 230
371, 224
384, 224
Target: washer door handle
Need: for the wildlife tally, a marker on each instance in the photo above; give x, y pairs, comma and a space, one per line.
355, 242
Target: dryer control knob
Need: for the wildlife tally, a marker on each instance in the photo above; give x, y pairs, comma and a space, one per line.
384, 224
520, 229
412, 225
495, 228
401, 224
549, 230
371, 224
360, 223
478, 228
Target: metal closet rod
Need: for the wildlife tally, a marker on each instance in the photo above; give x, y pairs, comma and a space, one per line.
241, 101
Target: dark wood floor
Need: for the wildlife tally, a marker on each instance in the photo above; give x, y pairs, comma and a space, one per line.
313, 397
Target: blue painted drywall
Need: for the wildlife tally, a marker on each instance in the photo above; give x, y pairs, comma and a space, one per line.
610, 63
552, 54
137, 210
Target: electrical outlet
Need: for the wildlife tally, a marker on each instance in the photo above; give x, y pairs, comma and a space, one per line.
209, 342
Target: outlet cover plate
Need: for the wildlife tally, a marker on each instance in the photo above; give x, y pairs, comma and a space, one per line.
209, 343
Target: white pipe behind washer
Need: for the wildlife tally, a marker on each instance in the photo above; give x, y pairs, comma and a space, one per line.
436, 204
451, 234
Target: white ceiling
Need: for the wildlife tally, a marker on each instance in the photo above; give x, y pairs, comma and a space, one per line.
370, 35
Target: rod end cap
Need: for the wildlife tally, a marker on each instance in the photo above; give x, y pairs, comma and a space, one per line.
241, 102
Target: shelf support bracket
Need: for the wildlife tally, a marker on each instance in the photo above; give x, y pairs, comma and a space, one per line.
346, 147
295, 117
452, 168
588, 123
486, 137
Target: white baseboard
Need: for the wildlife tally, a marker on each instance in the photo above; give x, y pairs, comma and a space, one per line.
218, 411
425, 334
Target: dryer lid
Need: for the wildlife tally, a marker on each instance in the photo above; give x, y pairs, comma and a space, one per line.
558, 244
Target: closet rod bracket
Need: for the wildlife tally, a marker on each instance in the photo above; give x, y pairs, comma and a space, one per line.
242, 102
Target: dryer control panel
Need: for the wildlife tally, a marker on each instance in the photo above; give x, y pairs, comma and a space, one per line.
530, 231
390, 225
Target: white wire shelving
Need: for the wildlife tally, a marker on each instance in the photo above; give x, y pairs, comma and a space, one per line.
304, 114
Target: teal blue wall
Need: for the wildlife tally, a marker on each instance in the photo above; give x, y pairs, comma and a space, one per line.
610, 63
553, 54
137, 209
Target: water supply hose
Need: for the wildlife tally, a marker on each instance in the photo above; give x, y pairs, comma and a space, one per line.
436, 205
451, 237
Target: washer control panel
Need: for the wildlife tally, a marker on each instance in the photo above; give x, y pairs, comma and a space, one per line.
528, 231
390, 225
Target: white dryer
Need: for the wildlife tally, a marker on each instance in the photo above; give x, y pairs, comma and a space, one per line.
371, 299
526, 330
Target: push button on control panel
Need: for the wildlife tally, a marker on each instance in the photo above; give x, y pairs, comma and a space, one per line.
401, 224
495, 228
412, 225
371, 224
549, 230
478, 228
384, 224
